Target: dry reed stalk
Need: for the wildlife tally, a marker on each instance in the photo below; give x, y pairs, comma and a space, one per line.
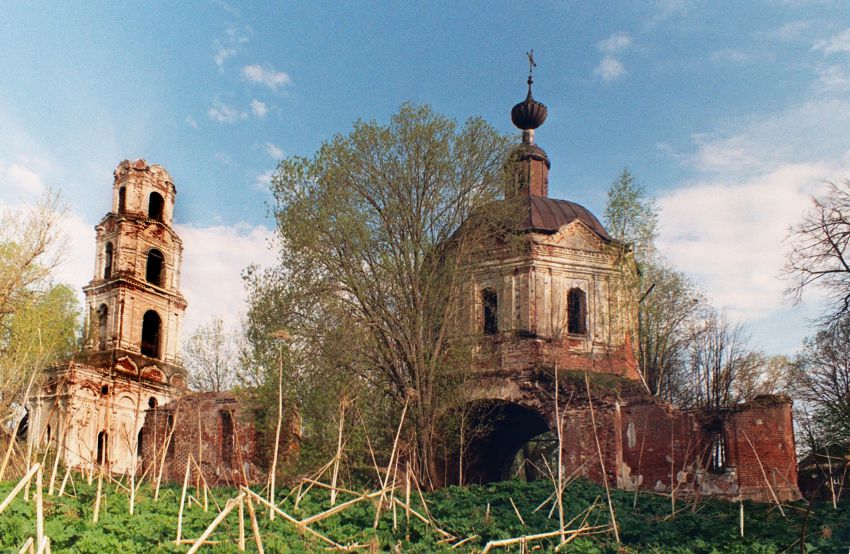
338, 508
165, 446
55, 470
427, 521
44, 546
741, 518
303, 493
640, 459
328, 487
392, 462
96, 513
228, 507
829, 479
64, 482
241, 544
601, 461
368, 443
291, 519
183, 500
277, 430
11, 443
255, 528
464, 541
21, 484
207, 491
338, 456
407, 493
39, 509
766, 480
516, 511
27, 547
517, 540
560, 483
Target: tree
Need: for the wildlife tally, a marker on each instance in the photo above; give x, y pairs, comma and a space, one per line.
718, 356
825, 379
668, 303
39, 320
819, 251
376, 228
211, 357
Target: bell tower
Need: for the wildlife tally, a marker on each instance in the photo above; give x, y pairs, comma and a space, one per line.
135, 307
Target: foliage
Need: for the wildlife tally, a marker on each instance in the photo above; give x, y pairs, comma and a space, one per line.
210, 355
484, 512
374, 232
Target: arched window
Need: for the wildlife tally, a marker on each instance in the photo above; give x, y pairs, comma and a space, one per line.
102, 326
122, 200
107, 261
155, 267
140, 442
151, 326
169, 435
48, 434
576, 312
152, 402
102, 455
226, 438
155, 205
490, 305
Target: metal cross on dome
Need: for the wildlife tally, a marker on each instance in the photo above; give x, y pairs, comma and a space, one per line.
531, 63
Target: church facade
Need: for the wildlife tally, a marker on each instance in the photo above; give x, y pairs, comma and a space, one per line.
556, 313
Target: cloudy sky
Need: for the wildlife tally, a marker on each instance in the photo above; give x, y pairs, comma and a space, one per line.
731, 113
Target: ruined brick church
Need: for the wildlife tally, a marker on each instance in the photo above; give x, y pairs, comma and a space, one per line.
556, 304
548, 316
118, 405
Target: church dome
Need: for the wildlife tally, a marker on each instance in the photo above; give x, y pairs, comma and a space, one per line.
529, 114
547, 215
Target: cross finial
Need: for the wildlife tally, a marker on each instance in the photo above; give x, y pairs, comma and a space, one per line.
531, 63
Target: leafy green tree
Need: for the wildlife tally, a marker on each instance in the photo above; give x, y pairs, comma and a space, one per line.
375, 230
210, 355
668, 302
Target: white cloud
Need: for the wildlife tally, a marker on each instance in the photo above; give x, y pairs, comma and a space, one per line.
214, 258
190, 121
274, 150
837, 44
267, 76
221, 55
610, 69
728, 234
614, 44
21, 178
833, 78
731, 56
259, 109
263, 180
224, 113
787, 32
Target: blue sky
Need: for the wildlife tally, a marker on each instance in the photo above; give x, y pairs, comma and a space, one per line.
731, 114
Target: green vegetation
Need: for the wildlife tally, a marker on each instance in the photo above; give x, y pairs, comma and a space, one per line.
712, 528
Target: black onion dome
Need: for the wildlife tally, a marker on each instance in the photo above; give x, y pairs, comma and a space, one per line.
529, 114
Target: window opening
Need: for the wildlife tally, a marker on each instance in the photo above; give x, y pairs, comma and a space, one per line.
102, 455
226, 438
169, 425
490, 303
152, 402
576, 312
140, 442
102, 326
154, 267
155, 205
151, 324
122, 200
107, 263
717, 454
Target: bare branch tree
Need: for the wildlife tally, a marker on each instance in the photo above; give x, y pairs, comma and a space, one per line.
819, 255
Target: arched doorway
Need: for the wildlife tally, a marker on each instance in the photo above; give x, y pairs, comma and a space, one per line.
487, 439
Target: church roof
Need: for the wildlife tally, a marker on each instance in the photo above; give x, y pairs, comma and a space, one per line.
548, 215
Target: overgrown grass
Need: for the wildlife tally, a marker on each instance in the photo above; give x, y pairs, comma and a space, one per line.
712, 528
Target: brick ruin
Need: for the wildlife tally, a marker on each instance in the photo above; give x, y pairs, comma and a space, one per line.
92, 410
556, 302
218, 432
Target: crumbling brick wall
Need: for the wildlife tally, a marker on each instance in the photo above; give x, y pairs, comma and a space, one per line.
214, 429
